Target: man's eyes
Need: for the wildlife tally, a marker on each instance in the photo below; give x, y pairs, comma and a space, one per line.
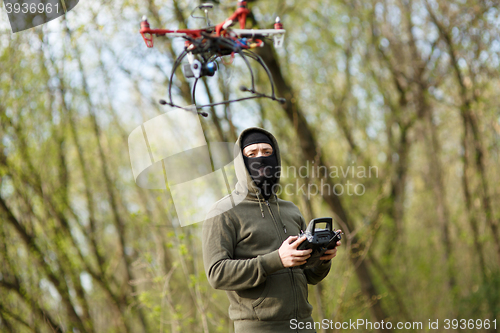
266, 153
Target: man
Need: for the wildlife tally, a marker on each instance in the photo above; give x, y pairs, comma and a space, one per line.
251, 250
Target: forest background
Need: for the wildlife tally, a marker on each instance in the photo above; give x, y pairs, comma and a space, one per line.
407, 86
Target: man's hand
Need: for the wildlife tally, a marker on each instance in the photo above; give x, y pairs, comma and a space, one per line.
330, 254
289, 254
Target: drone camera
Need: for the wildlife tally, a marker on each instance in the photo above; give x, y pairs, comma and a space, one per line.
210, 67
197, 69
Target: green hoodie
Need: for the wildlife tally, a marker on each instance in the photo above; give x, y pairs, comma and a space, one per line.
240, 254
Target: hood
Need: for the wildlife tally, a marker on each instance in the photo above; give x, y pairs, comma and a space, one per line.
245, 181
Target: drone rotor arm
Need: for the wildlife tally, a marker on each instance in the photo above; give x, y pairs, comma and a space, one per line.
148, 33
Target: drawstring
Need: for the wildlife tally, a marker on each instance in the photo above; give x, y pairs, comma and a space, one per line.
278, 204
260, 204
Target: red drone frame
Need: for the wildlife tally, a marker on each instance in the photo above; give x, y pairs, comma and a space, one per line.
204, 46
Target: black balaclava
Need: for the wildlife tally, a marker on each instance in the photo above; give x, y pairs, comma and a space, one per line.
263, 169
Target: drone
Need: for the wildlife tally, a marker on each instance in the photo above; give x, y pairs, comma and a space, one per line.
204, 47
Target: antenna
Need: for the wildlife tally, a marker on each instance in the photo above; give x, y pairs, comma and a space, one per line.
205, 7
